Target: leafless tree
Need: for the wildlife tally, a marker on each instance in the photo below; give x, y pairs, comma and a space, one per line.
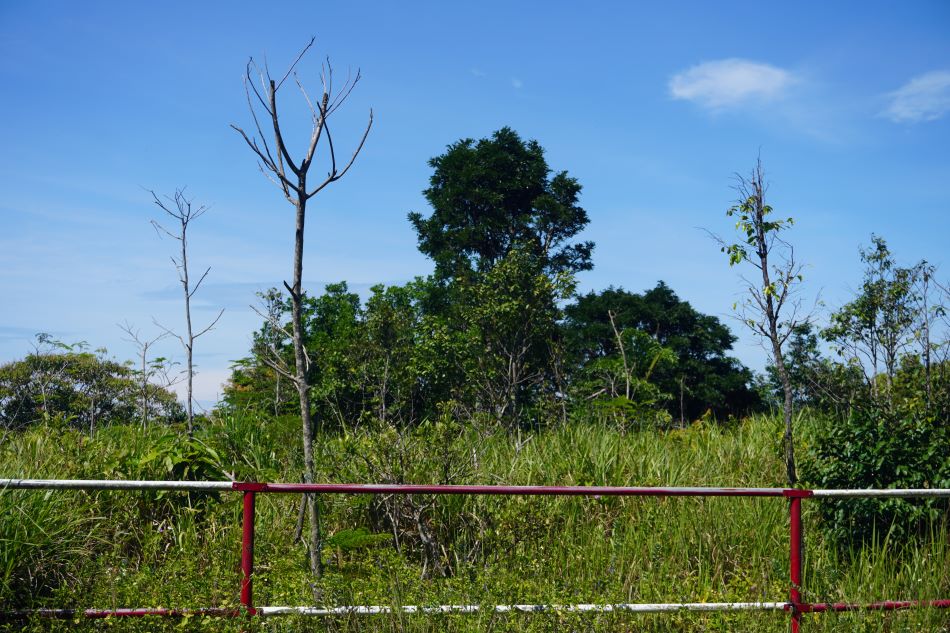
292, 178
771, 307
181, 209
148, 369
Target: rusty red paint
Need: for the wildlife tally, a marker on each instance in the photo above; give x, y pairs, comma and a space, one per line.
884, 605
795, 560
247, 553
586, 491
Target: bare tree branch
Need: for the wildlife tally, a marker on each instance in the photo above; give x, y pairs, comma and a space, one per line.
295, 62
211, 325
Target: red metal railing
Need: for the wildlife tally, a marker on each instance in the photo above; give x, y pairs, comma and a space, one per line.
795, 606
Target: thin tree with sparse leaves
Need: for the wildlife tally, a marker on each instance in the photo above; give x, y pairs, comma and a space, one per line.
771, 307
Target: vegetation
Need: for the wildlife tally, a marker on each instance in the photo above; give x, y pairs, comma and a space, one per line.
493, 370
122, 549
67, 385
697, 378
896, 399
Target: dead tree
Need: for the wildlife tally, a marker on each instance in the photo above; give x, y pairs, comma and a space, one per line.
292, 178
147, 369
181, 210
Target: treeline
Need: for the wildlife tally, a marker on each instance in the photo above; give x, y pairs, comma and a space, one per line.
497, 335
70, 385
496, 332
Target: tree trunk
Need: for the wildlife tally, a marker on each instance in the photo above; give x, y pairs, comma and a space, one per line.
303, 391
144, 392
772, 320
190, 335
926, 333
789, 445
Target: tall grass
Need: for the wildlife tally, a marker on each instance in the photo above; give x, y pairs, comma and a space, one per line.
138, 549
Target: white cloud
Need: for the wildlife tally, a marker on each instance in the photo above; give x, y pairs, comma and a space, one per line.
730, 82
923, 98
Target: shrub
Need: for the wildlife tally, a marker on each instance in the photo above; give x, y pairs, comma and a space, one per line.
879, 448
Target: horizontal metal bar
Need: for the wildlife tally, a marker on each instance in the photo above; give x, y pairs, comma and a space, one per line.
525, 608
96, 614
347, 488
586, 491
113, 484
888, 492
885, 605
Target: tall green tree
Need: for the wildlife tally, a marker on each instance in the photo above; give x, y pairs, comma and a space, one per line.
492, 195
502, 235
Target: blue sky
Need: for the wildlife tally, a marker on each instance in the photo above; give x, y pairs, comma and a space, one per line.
653, 109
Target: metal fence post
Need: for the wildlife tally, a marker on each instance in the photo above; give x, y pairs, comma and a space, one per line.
247, 553
795, 560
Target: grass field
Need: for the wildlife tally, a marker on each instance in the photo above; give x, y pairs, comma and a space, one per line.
133, 549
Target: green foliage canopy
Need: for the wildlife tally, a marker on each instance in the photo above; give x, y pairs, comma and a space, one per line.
68, 384
491, 195
703, 373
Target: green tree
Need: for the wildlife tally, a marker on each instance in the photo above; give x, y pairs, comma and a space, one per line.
702, 378
387, 359
403, 355
493, 195
619, 386
68, 384
507, 319
501, 234
875, 329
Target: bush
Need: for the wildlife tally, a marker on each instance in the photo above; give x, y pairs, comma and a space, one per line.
879, 448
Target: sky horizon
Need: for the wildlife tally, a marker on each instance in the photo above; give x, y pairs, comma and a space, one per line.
653, 109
